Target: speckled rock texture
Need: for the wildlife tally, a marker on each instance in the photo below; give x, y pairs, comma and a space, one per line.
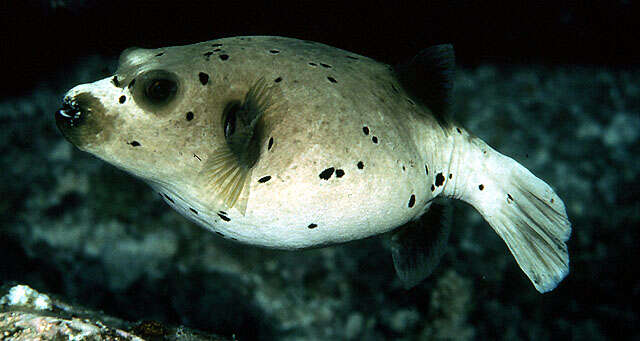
77, 228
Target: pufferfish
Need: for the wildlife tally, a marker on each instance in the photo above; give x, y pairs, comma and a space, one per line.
292, 144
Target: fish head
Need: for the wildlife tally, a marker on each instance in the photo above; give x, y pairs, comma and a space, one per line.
152, 118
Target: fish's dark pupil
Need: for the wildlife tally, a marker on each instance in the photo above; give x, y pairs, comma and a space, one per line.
230, 122
160, 89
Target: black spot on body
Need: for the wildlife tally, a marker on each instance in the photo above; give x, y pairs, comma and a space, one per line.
220, 234
360, 165
274, 51
278, 80
208, 54
459, 131
197, 157
270, 144
217, 50
352, 57
410, 101
223, 217
130, 86
224, 57
365, 130
325, 65
339, 173
122, 99
134, 143
192, 210
426, 170
312, 226
332, 80
481, 187
115, 81
439, 179
394, 88
374, 139
412, 200
159, 54
433, 188
216, 45
264, 179
450, 175
189, 116
204, 78
326, 174
168, 198
509, 197
313, 64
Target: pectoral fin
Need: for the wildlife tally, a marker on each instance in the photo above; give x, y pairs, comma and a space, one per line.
418, 246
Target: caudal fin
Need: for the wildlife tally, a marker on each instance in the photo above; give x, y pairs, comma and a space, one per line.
525, 212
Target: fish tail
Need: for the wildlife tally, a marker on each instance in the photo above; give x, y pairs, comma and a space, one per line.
522, 209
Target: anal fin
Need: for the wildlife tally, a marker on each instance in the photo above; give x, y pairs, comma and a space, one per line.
418, 246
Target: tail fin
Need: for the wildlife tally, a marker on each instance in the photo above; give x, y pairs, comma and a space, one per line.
524, 211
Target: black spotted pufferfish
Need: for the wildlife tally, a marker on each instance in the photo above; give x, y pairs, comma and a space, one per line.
292, 144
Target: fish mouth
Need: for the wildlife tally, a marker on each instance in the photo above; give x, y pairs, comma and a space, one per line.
69, 116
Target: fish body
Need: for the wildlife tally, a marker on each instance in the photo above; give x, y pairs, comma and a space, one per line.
291, 144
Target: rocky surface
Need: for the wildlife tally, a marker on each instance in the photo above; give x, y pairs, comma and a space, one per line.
74, 227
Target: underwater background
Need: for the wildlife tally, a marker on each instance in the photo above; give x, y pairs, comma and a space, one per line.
555, 86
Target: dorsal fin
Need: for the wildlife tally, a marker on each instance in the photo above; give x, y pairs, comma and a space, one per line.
428, 77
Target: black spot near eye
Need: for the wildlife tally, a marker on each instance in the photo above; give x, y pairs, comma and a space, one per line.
433, 188
450, 175
223, 217
360, 165
189, 116
339, 173
134, 143
326, 174
439, 179
224, 57
412, 200
274, 51
159, 54
270, 144
313, 64
481, 187
192, 210
264, 179
278, 80
204, 78
332, 80
365, 130
122, 99
374, 139
115, 81
312, 226
325, 65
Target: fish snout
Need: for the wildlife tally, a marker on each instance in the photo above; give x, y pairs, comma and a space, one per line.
70, 115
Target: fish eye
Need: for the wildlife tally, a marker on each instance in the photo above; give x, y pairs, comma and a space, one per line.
156, 90
160, 90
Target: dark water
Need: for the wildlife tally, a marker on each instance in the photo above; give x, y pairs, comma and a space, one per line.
554, 87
